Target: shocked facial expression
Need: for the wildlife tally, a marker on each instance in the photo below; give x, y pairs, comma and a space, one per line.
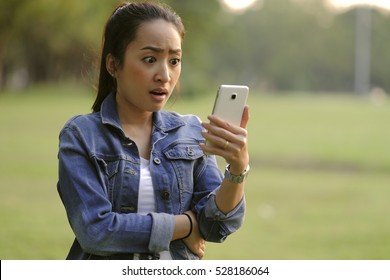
151, 67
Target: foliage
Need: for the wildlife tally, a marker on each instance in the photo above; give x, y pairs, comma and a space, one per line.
51, 39
283, 45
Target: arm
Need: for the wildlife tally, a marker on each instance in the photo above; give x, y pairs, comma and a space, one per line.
230, 142
193, 239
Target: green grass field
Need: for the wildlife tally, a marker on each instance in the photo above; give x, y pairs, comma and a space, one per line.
318, 189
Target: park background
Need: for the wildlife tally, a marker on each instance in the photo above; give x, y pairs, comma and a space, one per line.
319, 140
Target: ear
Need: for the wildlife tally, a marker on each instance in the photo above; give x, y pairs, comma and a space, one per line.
111, 64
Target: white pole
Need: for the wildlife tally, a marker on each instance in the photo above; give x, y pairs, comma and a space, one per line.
363, 50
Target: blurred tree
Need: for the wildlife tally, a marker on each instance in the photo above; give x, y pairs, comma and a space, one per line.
199, 18
49, 39
380, 51
294, 45
8, 11
282, 45
287, 46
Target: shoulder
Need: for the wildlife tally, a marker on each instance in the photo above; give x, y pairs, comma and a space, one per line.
82, 122
84, 119
187, 119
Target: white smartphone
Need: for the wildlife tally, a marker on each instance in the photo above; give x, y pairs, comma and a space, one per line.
230, 102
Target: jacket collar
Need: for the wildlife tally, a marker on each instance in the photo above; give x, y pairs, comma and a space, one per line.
162, 120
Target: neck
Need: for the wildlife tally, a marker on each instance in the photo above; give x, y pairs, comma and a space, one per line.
137, 126
134, 117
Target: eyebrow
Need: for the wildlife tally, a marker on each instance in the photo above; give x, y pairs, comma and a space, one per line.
156, 49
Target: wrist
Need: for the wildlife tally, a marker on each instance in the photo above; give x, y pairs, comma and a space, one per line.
234, 176
191, 225
237, 171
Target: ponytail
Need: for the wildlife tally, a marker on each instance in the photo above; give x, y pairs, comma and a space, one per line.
107, 84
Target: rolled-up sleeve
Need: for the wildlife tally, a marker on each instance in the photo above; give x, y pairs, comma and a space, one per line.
162, 231
215, 225
212, 211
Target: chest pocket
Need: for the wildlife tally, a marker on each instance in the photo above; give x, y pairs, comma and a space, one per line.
184, 152
185, 159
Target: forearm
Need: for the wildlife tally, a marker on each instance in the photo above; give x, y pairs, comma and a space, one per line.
230, 142
229, 196
183, 226
187, 224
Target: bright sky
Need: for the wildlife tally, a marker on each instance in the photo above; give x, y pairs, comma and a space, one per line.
384, 4
241, 5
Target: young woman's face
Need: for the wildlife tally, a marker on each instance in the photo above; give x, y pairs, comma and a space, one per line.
151, 67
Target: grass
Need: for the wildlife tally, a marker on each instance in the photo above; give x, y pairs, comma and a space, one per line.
312, 215
318, 188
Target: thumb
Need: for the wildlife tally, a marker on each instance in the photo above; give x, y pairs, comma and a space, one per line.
245, 117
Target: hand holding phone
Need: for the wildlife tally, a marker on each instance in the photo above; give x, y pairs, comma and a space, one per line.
230, 103
226, 136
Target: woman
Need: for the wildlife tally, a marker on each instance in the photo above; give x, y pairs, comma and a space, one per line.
134, 179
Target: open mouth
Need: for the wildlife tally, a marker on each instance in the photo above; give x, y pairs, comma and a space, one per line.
159, 94
159, 91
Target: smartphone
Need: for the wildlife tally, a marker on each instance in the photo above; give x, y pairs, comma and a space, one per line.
230, 102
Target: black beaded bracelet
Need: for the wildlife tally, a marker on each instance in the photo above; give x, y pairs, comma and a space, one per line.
189, 217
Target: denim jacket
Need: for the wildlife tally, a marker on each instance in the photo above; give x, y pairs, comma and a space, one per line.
99, 173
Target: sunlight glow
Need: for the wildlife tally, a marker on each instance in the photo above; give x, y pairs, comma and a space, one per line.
346, 4
239, 5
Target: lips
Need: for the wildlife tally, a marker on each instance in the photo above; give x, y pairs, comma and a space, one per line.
159, 95
159, 91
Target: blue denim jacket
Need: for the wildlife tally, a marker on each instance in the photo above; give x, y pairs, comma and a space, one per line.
99, 173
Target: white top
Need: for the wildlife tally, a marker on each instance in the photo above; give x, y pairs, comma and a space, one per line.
146, 199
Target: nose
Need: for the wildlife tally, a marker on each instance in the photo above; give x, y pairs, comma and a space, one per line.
163, 73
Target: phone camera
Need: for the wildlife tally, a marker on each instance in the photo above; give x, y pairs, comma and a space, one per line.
234, 96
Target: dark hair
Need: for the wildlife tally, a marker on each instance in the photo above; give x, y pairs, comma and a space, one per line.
120, 30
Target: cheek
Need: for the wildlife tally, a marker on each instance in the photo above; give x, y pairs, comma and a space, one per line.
138, 73
132, 68
132, 78
176, 74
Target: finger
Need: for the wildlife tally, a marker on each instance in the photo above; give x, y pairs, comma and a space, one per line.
225, 132
217, 140
221, 123
225, 140
245, 117
201, 254
215, 150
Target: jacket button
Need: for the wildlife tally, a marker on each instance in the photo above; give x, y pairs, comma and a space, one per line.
190, 151
128, 143
165, 195
157, 160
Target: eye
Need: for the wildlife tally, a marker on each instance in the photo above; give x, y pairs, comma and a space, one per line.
149, 59
175, 61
